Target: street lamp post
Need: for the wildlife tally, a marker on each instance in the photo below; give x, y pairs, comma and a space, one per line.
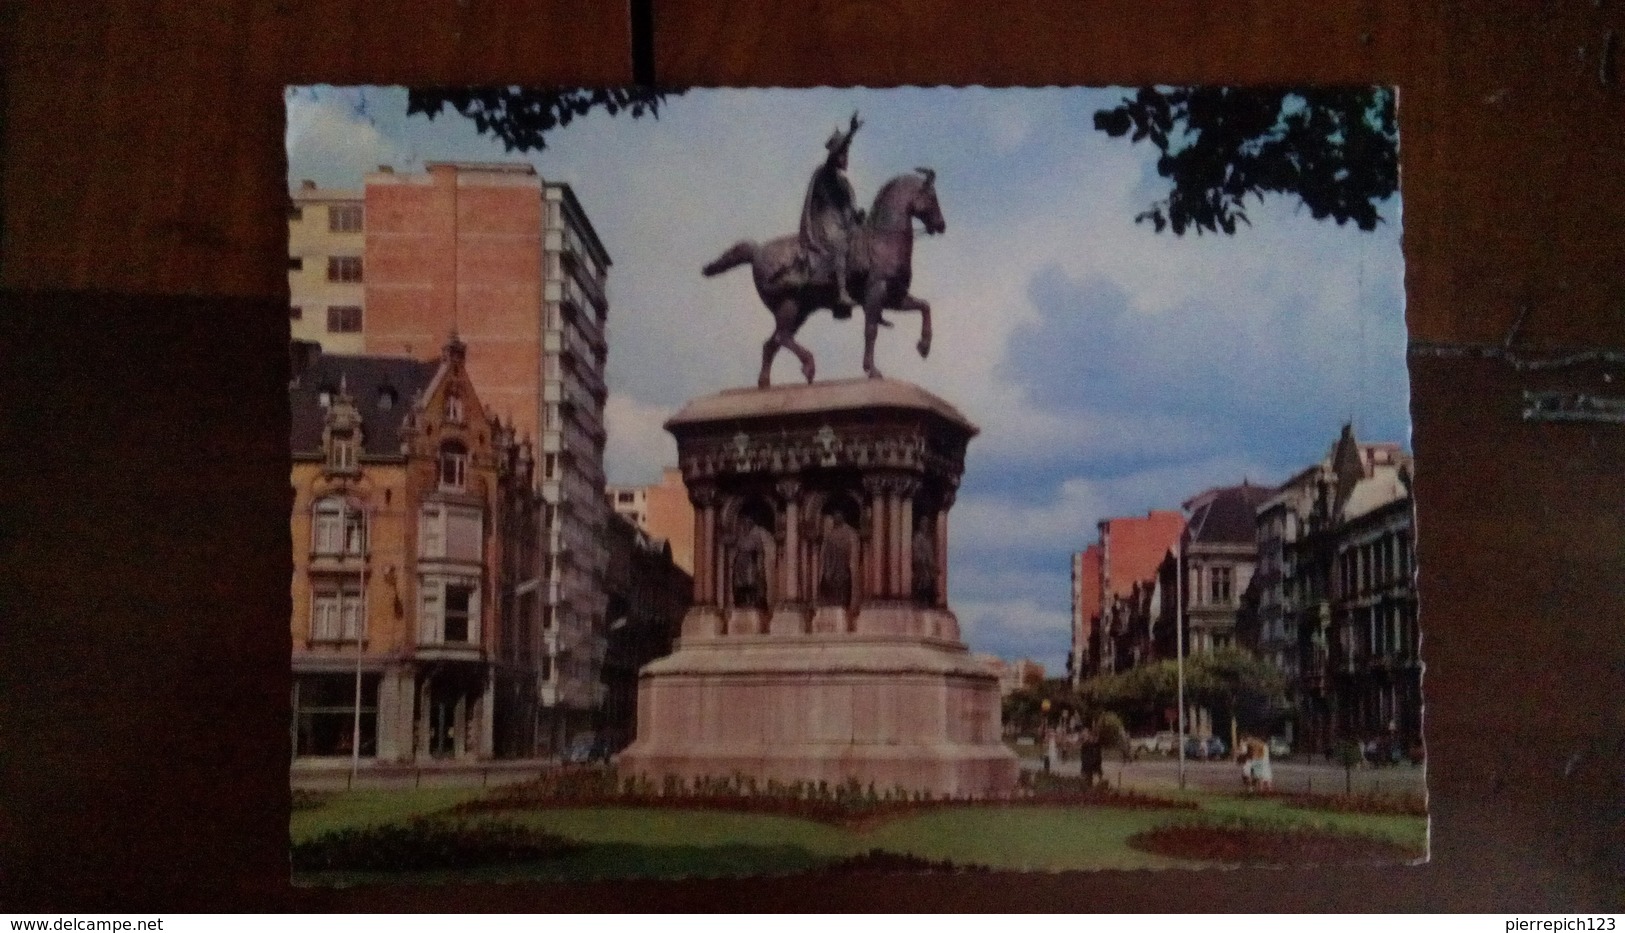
1179, 643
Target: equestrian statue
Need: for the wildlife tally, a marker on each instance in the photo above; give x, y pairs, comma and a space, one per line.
841, 258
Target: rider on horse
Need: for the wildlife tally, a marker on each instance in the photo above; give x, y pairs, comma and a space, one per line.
830, 217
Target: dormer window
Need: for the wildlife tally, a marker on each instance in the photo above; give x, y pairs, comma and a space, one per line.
341, 453
324, 398
454, 408
386, 399
453, 466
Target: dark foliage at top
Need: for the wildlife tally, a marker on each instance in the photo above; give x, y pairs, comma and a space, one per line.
1337, 149
522, 117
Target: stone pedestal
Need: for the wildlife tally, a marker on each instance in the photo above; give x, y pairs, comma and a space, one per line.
820, 646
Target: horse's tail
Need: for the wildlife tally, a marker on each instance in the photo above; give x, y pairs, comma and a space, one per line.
737, 255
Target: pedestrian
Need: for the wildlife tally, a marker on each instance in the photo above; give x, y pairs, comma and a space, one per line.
1263, 775
1244, 758
1050, 753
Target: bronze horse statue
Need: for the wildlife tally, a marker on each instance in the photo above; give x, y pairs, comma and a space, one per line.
879, 270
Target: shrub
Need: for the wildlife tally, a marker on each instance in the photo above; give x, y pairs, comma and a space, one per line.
425, 844
1373, 803
884, 862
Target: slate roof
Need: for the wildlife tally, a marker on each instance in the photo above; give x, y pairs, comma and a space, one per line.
1228, 515
366, 378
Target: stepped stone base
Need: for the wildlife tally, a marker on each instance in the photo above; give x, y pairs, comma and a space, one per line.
898, 713
819, 645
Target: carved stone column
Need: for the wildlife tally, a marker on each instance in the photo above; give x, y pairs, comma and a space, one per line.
942, 544
903, 557
789, 490
876, 552
704, 498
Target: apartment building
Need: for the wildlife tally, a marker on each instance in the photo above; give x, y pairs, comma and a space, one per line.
662, 510
510, 263
403, 486
326, 243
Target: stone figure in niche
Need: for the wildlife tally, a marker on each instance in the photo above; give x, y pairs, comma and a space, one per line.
749, 565
924, 569
840, 545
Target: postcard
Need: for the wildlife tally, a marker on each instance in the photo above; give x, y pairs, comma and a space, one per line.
702, 483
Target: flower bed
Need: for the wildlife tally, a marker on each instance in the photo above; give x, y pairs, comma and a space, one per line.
425, 844
1371, 804
1244, 843
849, 805
880, 861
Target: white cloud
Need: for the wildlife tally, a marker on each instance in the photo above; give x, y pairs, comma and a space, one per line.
637, 445
333, 140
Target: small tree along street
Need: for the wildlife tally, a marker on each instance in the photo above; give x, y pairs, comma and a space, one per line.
1227, 681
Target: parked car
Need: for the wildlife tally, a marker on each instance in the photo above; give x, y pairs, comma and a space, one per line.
1280, 747
1206, 749
586, 749
1165, 743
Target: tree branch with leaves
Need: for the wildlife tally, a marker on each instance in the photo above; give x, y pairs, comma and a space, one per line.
522, 117
1336, 149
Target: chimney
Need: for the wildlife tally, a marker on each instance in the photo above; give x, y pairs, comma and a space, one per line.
307, 185
387, 169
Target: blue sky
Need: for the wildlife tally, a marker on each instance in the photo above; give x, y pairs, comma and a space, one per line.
1112, 370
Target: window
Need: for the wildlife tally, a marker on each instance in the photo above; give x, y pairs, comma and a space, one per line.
325, 714
341, 453
626, 497
1220, 585
344, 268
449, 532
344, 319
296, 264
296, 313
295, 212
337, 610
454, 407
457, 613
344, 218
453, 466
338, 527
449, 611
386, 399
550, 465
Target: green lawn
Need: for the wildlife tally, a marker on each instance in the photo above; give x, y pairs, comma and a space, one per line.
355, 808
625, 842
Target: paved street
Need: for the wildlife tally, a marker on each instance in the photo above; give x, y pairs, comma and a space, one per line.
1148, 774
1296, 776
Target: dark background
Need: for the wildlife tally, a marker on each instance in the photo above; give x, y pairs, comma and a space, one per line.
143, 492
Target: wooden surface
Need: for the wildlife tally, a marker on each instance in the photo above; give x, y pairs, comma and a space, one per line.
144, 654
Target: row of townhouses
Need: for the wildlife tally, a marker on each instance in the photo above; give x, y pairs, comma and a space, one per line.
461, 587
1315, 576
